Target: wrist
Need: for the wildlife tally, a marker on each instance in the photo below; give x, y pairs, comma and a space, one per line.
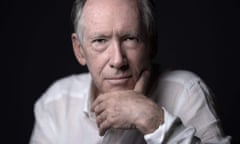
150, 124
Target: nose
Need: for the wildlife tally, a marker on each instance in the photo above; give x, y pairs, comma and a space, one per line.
117, 56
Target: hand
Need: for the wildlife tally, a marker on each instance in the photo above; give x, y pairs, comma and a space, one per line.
127, 109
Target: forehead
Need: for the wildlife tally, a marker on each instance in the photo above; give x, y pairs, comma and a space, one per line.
105, 13
94, 5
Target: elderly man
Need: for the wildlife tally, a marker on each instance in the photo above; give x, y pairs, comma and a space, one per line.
123, 99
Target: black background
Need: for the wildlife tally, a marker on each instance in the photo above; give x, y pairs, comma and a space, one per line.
200, 36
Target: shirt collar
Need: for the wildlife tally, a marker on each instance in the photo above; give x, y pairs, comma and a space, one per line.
88, 100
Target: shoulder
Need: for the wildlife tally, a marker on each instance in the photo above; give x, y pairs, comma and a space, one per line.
180, 88
61, 104
185, 93
182, 77
189, 84
70, 86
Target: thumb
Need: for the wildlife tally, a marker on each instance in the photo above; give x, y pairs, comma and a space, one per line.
141, 85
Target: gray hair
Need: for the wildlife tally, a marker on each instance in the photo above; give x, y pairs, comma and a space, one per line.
146, 13
76, 15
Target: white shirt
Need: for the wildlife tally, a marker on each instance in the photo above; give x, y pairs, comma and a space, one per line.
63, 114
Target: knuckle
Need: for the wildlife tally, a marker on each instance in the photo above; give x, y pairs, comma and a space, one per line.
110, 121
96, 108
99, 119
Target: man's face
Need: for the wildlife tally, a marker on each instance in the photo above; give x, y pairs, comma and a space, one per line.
112, 45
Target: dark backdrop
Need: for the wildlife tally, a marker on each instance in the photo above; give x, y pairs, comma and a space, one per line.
201, 36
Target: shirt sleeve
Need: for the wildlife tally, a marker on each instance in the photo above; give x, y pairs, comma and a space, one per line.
172, 131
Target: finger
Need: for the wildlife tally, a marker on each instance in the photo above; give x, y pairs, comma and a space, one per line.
104, 126
98, 100
101, 117
141, 84
98, 109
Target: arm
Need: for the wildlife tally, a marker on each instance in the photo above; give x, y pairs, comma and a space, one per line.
195, 107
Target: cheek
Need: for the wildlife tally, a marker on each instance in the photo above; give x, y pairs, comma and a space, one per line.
96, 63
95, 69
139, 58
138, 61
95, 60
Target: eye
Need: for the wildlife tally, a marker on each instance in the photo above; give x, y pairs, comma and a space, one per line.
100, 41
131, 38
130, 41
99, 44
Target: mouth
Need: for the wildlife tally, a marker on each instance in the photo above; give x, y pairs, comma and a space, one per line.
118, 80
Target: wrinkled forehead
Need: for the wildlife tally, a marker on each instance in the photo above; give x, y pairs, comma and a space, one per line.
102, 15
108, 8
110, 3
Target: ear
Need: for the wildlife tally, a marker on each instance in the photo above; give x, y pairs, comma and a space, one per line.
78, 50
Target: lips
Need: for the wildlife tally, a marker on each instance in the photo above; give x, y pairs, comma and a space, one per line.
118, 77
118, 80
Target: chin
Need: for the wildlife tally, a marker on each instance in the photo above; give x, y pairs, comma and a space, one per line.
119, 88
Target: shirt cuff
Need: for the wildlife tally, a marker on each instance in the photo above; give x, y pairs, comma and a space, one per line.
159, 134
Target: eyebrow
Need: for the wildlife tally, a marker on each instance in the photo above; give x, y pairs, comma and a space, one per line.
98, 35
108, 35
133, 34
